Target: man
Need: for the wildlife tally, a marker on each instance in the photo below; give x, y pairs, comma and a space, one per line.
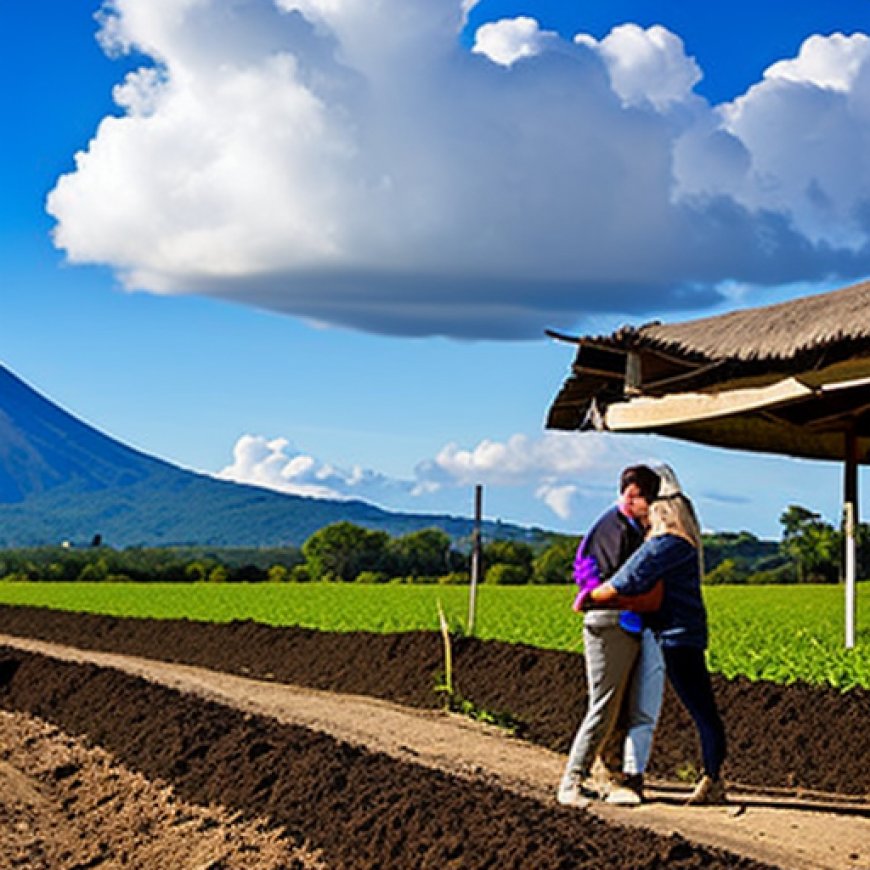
615, 668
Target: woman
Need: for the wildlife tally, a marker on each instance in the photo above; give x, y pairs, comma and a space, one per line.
672, 552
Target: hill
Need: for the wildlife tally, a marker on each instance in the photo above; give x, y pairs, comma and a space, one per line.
61, 479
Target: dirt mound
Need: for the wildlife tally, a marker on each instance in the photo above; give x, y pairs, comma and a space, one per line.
361, 809
63, 804
770, 728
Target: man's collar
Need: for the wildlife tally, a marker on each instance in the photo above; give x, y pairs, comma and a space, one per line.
636, 524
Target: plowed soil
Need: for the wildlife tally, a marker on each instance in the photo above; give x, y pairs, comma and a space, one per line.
365, 809
65, 804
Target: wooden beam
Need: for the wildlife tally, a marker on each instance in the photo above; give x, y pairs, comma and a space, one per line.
850, 524
652, 414
670, 381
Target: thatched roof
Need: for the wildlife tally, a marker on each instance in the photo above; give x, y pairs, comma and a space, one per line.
780, 332
791, 377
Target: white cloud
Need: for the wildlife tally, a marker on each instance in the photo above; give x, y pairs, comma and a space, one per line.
275, 464
509, 40
833, 62
646, 66
347, 162
519, 460
796, 144
554, 486
550, 468
558, 498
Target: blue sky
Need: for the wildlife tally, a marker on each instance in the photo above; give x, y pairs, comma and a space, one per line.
315, 245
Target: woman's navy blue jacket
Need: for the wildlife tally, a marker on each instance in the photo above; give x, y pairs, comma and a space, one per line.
682, 619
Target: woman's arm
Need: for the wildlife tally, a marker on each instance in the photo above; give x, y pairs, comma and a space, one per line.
637, 586
595, 598
605, 597
643, 569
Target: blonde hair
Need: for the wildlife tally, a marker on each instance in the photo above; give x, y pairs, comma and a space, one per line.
674, 515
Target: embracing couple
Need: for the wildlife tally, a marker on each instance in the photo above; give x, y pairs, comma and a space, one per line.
639, 576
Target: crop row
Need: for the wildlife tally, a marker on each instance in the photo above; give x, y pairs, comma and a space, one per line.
780, 634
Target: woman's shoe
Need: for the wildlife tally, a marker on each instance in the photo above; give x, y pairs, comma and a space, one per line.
572, 793
707, 792
629, 793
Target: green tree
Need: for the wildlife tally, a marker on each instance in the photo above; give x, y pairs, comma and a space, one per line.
96, 570
278, 574
555, 564
863, 546
420, 554
727, 571
341, 550
197, 571
300, 574
502, 574
509, 553
811, 544
218, 574
743, 547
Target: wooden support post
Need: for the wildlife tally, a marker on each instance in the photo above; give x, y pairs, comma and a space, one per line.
476, 557
850, 525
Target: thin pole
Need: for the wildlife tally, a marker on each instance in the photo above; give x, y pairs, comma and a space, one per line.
476, 557
850, 524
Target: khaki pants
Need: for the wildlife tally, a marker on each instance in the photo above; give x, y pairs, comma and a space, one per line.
611, 653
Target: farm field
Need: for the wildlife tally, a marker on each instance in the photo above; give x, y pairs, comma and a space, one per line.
356, 807
780, 634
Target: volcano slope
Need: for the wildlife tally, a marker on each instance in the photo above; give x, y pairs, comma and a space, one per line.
362, 808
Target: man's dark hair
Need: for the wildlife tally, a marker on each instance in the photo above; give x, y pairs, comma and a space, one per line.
644, 477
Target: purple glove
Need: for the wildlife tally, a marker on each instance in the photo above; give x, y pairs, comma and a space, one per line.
586, 574
587, 578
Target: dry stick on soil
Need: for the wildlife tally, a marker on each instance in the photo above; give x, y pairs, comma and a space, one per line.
453, 700
446, 685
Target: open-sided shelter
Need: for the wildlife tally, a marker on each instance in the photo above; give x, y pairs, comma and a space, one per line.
791, 378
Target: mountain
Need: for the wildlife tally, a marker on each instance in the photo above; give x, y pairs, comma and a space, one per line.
61, 479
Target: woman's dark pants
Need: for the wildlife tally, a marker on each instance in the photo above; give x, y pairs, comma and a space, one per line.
688, 674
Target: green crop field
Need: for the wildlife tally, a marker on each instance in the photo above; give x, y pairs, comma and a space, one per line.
782, 633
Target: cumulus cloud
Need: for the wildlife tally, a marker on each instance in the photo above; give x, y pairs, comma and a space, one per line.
348, 162
558, 498
834, 62
520, 459
507, 41
550, 467
275, 464
796, 144
646, 66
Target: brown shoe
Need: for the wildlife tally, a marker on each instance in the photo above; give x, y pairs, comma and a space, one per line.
707, 792
629, 793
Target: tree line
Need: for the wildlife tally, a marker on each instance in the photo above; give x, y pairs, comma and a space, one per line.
340, 552
808, 552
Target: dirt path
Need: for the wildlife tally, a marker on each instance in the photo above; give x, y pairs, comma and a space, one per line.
825, 832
